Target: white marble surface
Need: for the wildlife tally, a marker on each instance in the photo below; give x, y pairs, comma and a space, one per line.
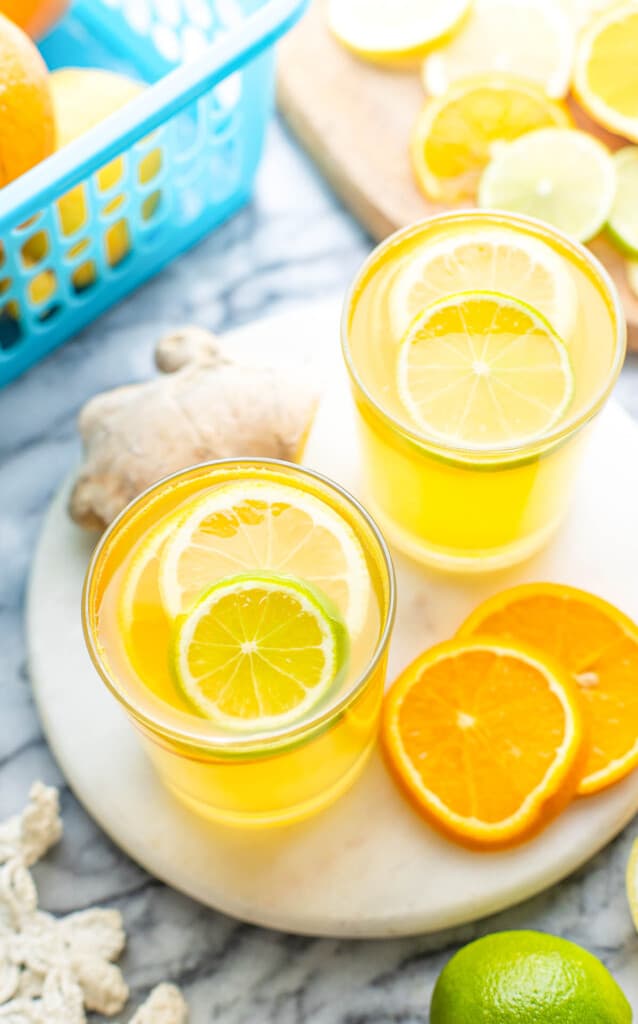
292, 243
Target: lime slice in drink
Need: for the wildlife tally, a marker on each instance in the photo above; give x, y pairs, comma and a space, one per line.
491, 259
253, 526
259, 652
481, 370
623, 219
560, 175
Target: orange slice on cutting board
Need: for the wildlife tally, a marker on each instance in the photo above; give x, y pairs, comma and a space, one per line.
486, 737
597, 644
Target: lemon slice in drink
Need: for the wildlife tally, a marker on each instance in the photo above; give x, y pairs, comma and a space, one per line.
532, 38
259, 652
389, 32
262, 525
482, 370
490, 259
560, 175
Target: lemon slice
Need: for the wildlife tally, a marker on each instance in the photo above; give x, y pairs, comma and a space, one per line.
606, 69
386, 32
532, 38
259, 652
486, 259
455, 135
564, 177
623, 219
260, 525
632, 275
481, 370
581, 12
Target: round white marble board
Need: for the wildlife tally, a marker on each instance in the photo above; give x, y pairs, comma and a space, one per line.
369, 866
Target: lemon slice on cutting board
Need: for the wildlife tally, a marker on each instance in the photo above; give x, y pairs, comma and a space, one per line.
480, 370
262, 525
559, 175
456, 134
606, 69
532, 38
387, 32
486, 259
259, 652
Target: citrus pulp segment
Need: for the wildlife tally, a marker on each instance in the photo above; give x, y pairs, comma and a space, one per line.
597, 644
385, 32
481, 370
490, 259
559, 175
606, 69
486, 737
250, 526
532, 38
623, 219
456, 134
259, 652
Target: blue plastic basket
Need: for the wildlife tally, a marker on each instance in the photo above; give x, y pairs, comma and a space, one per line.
187, 150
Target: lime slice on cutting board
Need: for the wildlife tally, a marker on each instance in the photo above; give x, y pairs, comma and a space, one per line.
559, 175
623, 220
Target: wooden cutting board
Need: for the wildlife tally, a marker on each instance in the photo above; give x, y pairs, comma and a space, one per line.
355, 119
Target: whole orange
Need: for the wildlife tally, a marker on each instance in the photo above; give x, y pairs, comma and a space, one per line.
35, 16
27, 125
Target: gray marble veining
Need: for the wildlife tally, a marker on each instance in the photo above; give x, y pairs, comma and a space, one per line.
292, 243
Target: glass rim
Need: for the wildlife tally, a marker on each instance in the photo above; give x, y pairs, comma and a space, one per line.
566, 428
198, 736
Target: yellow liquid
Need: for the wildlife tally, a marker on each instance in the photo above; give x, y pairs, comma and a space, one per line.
471, 510
235, 779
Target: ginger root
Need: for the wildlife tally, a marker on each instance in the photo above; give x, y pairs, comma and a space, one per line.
207, 404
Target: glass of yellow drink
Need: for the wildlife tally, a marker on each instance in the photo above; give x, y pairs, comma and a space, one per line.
479, 346
241, 611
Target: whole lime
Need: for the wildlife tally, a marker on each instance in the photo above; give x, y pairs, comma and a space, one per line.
527, 978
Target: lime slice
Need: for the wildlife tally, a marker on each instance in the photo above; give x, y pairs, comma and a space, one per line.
531, 38
259, 525
623, 220
385, 32
259, 652
632, 883
481, 370
560, 175
486, 259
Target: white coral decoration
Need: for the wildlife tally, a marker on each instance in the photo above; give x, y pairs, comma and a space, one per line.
53, 969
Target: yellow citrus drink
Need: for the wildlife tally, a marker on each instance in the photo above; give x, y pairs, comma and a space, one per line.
241, 613
479, 346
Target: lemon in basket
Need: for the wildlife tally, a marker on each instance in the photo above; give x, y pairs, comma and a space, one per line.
82, 98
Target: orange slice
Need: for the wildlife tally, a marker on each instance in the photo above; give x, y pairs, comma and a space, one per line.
597, 645
487, 739
456, 134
